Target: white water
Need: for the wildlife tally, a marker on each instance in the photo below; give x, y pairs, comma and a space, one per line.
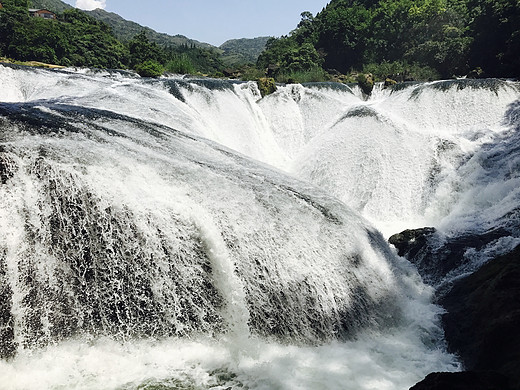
404, 159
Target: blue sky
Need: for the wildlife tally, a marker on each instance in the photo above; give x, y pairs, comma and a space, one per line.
211, 21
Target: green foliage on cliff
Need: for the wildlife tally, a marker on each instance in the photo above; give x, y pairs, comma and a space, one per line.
439, 38
74, 39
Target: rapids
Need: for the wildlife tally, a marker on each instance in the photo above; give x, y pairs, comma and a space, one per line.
187, 233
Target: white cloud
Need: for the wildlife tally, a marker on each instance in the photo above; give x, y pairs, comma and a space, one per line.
89, 5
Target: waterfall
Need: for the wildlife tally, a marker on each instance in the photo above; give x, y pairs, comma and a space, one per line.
187, 232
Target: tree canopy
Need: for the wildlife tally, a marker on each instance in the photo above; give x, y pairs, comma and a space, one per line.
450, 37
77, 39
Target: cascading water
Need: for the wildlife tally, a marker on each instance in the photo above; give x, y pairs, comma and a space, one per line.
179, 232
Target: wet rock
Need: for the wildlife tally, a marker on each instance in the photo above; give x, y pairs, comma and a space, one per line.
467, 380
434, 255
483, 317
266, 85
409, 242
366, 83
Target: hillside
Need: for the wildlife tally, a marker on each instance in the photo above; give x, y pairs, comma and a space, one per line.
242, 51
52, 5
123, 29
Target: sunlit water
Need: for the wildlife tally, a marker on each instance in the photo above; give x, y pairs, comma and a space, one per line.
189, 234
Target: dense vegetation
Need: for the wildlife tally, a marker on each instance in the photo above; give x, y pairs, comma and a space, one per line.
77, 39
400, 39
418, 38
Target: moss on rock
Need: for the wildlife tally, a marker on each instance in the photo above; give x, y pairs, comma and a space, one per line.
366, 83
266, 85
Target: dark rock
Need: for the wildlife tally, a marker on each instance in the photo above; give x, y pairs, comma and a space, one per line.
482, 323
467, 380
411, 241
436, 256
366, 83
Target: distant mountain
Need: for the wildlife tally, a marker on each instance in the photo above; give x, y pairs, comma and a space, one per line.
242, 51
124, 29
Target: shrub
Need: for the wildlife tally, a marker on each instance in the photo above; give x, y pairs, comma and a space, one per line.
149, 69
180, 64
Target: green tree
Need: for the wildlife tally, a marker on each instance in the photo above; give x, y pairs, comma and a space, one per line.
495, 26
141, 49
149, 68
343, 34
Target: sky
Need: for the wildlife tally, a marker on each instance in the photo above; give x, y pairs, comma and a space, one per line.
211, 21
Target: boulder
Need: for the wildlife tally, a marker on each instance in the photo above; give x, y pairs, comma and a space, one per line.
366, 83
266, 85
409, 242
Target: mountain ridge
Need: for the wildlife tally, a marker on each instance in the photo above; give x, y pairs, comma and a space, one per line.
124, 29
243, 50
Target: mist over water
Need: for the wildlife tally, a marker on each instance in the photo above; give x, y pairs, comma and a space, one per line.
183, 232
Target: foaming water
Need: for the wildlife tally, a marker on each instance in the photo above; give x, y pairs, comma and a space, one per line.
188, 233
206, 364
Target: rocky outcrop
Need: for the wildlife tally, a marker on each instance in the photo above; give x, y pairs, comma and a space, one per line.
411, 241
366, 83
467, 380
435, 255
266, 85
482, 323
482, 319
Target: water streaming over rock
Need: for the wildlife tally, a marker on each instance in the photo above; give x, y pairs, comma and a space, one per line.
184, 232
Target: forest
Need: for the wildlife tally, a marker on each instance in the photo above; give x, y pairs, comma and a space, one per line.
396, 39
77, 39
421, 39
